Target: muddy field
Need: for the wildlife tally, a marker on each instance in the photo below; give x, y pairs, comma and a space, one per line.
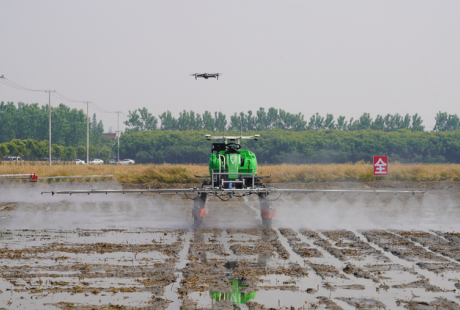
141, 252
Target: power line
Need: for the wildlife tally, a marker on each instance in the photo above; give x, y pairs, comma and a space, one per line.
59, 96
62, 97
9, 83
12, 84
49, 110
92, 104
118, 137
101, 110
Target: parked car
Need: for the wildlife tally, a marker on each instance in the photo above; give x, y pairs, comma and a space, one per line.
113, 161
13, 158
127, 162
96, 162
79, 161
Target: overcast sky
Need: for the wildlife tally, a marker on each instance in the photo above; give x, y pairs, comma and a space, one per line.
339, 57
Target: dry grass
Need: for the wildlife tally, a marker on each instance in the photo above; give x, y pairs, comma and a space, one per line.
360, 172
279, 173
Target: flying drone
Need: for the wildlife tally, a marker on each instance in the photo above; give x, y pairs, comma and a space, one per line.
206, 75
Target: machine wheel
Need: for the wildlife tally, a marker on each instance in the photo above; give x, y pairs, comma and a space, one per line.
199, 211
197, 221
267, 213
267, 223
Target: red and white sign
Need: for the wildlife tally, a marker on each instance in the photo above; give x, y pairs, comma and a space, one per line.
380, 165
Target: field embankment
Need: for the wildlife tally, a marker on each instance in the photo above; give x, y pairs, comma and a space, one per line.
169, 174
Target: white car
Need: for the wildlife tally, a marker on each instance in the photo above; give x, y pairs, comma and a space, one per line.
79, 161
127, 162
96, 162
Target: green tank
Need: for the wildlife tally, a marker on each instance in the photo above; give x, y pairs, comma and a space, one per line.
229, 158
232, 168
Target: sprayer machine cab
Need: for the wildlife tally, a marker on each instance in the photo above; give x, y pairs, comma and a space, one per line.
232, 173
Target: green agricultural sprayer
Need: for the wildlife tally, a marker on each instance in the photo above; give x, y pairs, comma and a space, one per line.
232, 173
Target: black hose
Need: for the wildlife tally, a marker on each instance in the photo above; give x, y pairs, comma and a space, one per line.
273, 199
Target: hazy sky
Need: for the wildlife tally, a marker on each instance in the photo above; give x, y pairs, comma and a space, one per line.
339, 57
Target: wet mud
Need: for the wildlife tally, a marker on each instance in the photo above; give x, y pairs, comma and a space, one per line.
132, 253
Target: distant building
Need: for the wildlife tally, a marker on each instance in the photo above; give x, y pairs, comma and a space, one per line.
112, 135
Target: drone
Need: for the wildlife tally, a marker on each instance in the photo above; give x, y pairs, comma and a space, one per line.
206, 75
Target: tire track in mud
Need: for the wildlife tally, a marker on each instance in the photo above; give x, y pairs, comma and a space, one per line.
411, 251
410, 254
299, 251
367, 262
345, 280
433, 243
169, 292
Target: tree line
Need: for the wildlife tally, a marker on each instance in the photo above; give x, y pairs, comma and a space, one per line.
30, 122
30, 149
299, 147
274, 147
180, 140
142, 120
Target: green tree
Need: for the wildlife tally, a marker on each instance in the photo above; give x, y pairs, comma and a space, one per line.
104, 153
13, 148
20, 149
149, 122
70, 153
168, 122
342, 124
57, 151
142, 121
378, 123
220, 121
329, 122
446, 122
417, 123
3, 150
43, 149
133, 122
235, 121
92, 152
316, 122
272, 118
81, 152
364, 122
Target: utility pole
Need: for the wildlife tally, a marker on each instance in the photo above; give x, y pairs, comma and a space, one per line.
1, 112
118, 136
87, 132
49, 110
